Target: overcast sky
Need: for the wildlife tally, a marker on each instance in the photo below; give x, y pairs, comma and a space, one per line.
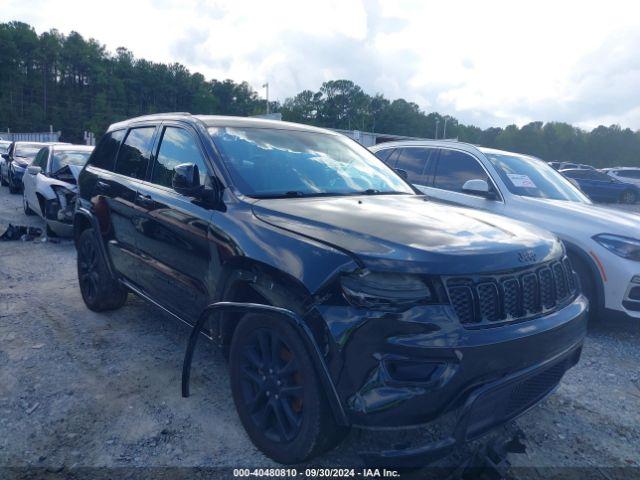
485, 62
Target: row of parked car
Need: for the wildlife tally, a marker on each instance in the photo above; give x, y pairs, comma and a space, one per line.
46, 174
610, 185
415, 283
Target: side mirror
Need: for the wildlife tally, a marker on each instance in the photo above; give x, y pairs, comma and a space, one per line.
478, 187
402, 173
186, 179
34, 169
5, 156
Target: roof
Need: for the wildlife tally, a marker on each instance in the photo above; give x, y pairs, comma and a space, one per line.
222, 121
416, 143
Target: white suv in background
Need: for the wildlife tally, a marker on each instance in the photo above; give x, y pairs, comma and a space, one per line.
624, 174
603, 243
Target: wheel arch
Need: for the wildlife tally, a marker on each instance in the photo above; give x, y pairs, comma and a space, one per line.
576, 252
82, 220
248, 281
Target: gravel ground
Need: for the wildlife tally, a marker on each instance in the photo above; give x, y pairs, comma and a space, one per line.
81, 389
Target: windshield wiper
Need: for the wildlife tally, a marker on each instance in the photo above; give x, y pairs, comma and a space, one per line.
293, 194
373, 191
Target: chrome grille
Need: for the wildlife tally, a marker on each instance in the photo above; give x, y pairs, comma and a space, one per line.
486, 300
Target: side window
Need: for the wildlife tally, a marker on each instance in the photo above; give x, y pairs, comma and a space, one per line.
134, 154
575, 174
414, 162
392, 158
599, 176
384, 154
177, 146
455, 168
104, 154
41, 159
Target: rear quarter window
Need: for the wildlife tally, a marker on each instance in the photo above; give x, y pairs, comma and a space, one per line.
104, 155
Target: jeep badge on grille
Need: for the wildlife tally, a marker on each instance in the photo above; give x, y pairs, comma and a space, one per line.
527, 256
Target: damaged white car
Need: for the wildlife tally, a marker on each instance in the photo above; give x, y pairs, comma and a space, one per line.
50, 186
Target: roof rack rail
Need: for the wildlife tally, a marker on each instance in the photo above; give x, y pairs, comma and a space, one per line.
163, 114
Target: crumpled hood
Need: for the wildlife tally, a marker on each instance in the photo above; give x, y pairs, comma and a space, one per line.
68, 173
409, 233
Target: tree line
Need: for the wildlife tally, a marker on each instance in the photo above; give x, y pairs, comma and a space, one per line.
76, 85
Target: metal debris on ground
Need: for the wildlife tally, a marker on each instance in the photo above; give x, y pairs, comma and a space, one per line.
20, 232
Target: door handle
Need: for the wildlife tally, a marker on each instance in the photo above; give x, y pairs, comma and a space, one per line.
144, 200
103, 187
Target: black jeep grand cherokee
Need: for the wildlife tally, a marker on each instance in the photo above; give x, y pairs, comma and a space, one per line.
346, 299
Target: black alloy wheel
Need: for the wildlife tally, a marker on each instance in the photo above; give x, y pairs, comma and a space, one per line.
272, 385
100, 291
277, 391
88, 273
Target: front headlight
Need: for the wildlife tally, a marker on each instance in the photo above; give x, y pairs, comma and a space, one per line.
386, 290
624, 247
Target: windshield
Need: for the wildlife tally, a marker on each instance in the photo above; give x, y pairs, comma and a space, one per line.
266, 163
27, 151
68, 157
530, 177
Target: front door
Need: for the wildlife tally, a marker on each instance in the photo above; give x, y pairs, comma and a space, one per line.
172, 235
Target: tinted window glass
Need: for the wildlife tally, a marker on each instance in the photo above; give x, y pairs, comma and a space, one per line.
629, 173
105, 153
414, 162
68, 157
383, 154
601, 177
574, 174
455, 168
177, 146
41, 159
133, 157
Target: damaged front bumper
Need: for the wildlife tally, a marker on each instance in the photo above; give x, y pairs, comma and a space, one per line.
59, 212
415, 368
490, 406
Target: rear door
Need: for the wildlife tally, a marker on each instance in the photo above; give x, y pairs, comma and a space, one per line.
120, 189
451, 170
172, 233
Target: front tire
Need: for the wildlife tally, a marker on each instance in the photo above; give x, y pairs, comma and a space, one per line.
628, 197
587, 285
277, 392
99, 290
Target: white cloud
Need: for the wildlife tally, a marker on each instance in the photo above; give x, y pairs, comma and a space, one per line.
494, 62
